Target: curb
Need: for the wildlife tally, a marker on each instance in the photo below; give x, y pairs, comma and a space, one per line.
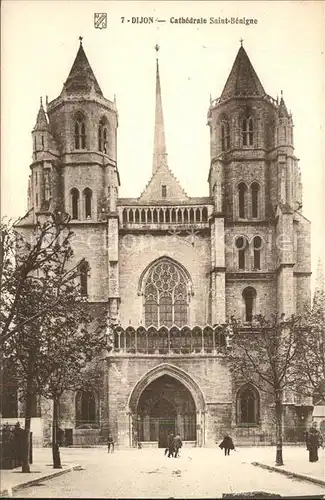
8, 492
289, 473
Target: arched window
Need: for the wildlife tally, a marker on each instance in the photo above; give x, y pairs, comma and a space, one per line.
247, 405
242, 189
247, 131
225, 135
165, 295
241, 245
257, 242
75, 203
87, 200
79, 132
86, 408
103, 135
254, 192
84, 270
249, 296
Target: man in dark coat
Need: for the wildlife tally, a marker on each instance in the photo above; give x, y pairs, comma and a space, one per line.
177, 444
110, 443
313, 442
170, 444
227, 444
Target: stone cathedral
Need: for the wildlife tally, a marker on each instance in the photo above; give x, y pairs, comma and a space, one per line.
171, 269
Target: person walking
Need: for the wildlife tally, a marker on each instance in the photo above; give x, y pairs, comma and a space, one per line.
110, 443
177, 445
227, 444
170, 444
313, 442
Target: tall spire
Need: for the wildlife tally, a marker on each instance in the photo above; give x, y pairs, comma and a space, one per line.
81, 77
242, 80
159, 148
41, 121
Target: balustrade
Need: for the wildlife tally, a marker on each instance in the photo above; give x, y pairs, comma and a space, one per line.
164, 215
169, 340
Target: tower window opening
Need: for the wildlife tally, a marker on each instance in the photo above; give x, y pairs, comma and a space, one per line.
241, 245
103, 135
242, 188
87, 200
75, 203
164, 191
36, 199
249, 296
42, 139
247, 131
257, 252
79, 133
36, 178
34, 143
225, 136
84, 270
255, 192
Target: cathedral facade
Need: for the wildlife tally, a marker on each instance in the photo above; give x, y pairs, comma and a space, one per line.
171, 269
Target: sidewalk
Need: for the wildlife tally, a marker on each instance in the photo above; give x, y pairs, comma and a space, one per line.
42, 468
296, 464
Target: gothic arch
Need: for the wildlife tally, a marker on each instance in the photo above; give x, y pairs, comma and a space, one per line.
146, 271
173, 371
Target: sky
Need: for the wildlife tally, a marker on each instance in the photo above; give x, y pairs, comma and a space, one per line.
39, 41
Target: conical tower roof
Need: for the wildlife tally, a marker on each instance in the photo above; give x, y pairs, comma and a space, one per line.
81, 77
283, 112
242, 80
41, 120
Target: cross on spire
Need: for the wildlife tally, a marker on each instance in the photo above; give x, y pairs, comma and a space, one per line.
241, 42
80, 38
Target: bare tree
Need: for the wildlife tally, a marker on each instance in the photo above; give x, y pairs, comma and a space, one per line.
266, 356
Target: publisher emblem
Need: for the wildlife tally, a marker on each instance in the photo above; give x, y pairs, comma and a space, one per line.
100, 20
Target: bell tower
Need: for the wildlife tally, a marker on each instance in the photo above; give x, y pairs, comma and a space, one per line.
254, 181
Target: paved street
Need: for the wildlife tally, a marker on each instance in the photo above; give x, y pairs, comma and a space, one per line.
148, 473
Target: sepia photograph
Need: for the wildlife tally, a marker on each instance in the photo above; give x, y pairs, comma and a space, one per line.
162, 249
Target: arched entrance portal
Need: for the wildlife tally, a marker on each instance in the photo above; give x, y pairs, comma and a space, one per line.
165, 405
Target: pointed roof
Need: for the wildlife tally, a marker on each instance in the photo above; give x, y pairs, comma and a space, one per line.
163, 176
81, 77
159, 148
242, 80
283, 112
41, 120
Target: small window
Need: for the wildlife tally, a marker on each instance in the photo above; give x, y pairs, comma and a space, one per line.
164, 191
75, 203
225, 136
257, 252
42, 138
103, 135
84, 269
80, 133
87, 200
36, 199
249, 295
36, 178
242, 188
247, 131
254, 192
241, 245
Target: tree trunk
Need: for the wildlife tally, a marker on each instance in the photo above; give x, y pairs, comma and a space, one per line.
28, 414
55, 445
279, 429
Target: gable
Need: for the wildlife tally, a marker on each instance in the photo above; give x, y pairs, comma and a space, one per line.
163, 177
